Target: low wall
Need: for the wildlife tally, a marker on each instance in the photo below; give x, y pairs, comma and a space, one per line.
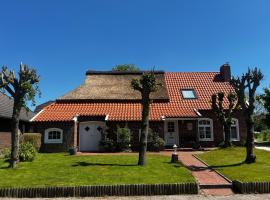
103, 190
5, 140
251, 187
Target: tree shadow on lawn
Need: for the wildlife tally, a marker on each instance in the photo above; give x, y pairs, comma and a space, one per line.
86, 164
212, 167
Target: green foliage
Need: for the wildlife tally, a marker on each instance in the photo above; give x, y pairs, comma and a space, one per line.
33, 138
263, 136
146, 84
124, 137
260, 122
107, 144
126, 67
154, 142
24, 87
266, 103
27, 152
5, 153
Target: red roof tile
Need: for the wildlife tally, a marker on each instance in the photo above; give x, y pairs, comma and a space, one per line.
204, 83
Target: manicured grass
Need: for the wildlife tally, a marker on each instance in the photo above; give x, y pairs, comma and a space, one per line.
60, 169
230, 163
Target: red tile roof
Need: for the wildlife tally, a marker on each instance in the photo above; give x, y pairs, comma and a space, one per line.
204, 83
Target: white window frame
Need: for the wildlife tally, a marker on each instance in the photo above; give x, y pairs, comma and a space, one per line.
189, 90
53, 141
237, 130
211, 129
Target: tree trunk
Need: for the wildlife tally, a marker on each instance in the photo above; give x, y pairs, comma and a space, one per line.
144, 132
227, 134
250, 156
15, 134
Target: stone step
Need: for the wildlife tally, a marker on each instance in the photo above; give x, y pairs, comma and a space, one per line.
215, 186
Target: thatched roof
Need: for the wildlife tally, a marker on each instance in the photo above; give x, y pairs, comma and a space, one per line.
113, 85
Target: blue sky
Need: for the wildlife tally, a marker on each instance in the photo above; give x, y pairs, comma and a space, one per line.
62, 39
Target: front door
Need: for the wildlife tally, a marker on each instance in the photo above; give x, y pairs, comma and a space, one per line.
90, 135
171, 133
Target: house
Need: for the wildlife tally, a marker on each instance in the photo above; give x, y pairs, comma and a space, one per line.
6, 109
180, 113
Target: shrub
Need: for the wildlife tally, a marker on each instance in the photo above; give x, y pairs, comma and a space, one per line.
33, 138
123, 138
27, 152
107, 144
5, 153
265, 135
154, 142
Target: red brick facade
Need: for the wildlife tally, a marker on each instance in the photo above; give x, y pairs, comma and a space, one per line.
5, 140
188, 137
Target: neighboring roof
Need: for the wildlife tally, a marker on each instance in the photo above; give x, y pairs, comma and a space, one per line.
112, 85
41, 106
204, 83
6, 109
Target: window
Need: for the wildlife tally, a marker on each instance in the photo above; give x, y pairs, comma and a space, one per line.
205, 129
170, 127
235, 130
53, 135
189, 94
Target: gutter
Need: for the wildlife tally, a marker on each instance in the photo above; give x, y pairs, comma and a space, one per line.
31, 120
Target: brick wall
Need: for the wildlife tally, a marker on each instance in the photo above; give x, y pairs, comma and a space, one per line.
218, 129
5, 140
68, 135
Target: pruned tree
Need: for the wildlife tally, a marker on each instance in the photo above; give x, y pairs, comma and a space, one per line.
224, 114
248, 84
126, 67
145, 85
22, 89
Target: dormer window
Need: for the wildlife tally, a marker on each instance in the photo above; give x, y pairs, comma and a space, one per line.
189, 94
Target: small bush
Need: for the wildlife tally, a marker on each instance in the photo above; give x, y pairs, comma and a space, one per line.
27, 152
33, 138
107, 144
154, 142
263, 136
123, 138
5, 153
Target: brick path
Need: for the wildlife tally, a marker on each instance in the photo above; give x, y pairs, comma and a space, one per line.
204, 175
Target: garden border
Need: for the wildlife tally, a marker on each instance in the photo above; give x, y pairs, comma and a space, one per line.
243, 187
251, 187
102, 190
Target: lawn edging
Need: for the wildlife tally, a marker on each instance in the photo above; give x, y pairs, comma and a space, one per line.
102, 190
251, 187
220, 174
243, 187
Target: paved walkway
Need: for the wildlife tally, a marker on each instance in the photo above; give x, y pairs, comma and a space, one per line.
204, 175
263, 148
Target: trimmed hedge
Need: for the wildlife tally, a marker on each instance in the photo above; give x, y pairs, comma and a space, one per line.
33, 138
102, 190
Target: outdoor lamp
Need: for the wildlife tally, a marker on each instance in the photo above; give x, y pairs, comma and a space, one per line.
174, 155
175, 149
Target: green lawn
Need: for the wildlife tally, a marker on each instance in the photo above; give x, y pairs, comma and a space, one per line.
60, 169
230, 163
